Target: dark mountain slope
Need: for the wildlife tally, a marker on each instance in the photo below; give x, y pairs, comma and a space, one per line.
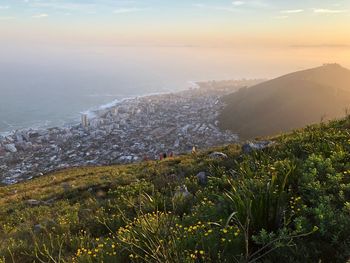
288, 102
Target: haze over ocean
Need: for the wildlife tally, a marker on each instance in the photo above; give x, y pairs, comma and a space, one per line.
61, 57
50, 86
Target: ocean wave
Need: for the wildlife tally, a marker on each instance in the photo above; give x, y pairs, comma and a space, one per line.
92, 113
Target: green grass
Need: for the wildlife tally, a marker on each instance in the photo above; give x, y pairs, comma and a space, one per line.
289, 202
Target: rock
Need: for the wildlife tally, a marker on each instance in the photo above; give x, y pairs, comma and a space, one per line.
253, 146
50, 201
182, 192
218, 155
10, 148
202, 178
33, 202
38, 228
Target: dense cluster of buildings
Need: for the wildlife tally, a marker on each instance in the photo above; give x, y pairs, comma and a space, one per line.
142, 128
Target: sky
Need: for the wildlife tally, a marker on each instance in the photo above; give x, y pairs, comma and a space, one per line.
85, 53
209, 23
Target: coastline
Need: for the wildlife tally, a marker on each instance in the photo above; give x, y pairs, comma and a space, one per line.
91, 113
125, 131
105, 107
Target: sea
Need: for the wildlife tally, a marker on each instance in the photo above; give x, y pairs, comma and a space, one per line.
45, 86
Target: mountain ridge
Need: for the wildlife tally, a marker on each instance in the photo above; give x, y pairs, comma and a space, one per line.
288, 102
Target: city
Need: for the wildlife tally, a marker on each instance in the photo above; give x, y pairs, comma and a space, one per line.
142, 128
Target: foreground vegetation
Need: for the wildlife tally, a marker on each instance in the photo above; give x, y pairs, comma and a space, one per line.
287, 202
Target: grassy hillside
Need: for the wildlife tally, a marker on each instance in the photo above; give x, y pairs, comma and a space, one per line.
288, 202
302, 98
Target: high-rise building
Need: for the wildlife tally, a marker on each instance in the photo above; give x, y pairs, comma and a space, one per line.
115, 111
84, 120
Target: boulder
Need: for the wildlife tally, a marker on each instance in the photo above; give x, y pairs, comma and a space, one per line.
202, 178
182, 192
38, 229
254, 146
33, 202
218, 155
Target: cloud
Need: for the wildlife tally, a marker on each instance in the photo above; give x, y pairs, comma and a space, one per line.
87, 6
322, 46
238, 3
7, 17
225, 8
40, 16
280, 17
2, 7
64, 6
258, 4
199, 5
123, 10
292, 11
329, 11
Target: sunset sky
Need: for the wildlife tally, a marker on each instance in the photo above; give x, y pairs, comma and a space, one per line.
86, 53
310, 23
